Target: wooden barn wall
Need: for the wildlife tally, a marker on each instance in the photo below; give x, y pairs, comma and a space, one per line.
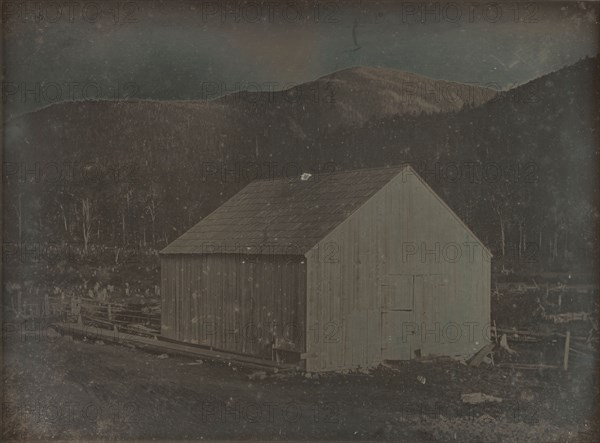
349, 270
233, 303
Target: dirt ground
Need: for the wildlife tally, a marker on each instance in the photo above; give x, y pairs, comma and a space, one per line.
60, 388
56, 388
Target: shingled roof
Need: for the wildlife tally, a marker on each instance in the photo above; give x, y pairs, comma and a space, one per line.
282, 216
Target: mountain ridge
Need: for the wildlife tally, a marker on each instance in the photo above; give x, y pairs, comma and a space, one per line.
546, 123
478, 94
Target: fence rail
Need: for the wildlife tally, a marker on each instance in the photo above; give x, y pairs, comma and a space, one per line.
138, 319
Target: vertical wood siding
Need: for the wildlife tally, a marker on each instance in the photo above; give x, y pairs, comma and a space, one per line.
345, 296
234, 303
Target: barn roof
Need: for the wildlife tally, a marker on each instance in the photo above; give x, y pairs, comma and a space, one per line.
283, 216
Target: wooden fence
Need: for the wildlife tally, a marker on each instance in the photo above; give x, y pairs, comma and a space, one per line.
134, 318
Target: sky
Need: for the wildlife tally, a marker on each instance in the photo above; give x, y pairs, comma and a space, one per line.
186, 50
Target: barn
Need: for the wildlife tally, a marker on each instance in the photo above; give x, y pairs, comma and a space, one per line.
330, 271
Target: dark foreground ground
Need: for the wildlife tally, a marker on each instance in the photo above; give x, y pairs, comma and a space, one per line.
58, 388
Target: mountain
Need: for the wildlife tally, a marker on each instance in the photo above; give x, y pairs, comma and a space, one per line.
360, 94
218, 127
146, 171
179, 145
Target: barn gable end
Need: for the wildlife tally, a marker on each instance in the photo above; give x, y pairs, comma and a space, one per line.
403, 267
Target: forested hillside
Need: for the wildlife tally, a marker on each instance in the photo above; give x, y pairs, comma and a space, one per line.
519, 167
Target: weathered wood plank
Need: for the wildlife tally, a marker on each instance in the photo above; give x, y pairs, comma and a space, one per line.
176, 348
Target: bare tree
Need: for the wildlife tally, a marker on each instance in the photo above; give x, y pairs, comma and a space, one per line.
497, 207
86, 222
151, 209
19, 208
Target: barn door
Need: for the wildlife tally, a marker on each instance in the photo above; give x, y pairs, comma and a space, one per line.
397, 317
